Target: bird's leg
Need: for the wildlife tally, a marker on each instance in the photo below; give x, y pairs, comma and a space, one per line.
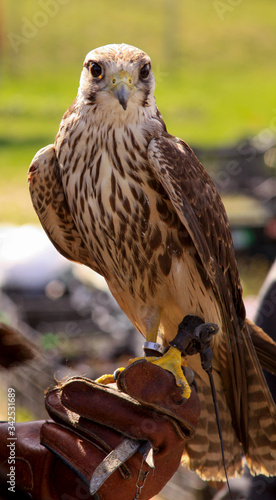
170, 360
193, 336
109, 378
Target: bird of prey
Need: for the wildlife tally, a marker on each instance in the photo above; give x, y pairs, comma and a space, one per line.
118, 193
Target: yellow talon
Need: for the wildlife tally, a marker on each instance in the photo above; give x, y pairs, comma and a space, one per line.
173, 362
105, 379
108, 378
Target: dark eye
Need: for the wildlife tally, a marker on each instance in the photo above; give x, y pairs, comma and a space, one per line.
96, 70
145, 71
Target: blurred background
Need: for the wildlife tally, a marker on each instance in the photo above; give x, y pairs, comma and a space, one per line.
214, 63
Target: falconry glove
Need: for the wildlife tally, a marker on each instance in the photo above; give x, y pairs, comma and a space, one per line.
103, 442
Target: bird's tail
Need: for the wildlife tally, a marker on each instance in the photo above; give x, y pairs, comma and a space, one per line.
203, 452
261, 447
264, 346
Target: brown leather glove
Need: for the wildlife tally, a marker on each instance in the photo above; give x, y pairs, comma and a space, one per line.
130, 443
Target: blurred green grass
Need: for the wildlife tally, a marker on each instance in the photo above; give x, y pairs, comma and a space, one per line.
215, 78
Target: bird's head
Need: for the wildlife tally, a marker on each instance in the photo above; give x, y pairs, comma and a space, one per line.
117, 77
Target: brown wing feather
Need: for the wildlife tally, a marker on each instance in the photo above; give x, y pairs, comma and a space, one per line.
200, 209
264, 346
52, 209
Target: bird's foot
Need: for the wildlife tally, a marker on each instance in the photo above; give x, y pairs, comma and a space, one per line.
173, 362
109, 378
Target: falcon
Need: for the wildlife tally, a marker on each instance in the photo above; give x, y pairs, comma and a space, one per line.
119, 194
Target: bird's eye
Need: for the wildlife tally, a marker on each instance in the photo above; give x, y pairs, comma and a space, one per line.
145, 71
96, 70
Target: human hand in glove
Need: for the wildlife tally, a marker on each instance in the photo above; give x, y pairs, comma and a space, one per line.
119, 442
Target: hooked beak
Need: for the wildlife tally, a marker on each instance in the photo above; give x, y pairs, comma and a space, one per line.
121, 86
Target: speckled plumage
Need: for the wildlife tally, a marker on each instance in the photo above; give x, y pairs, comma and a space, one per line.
119, 194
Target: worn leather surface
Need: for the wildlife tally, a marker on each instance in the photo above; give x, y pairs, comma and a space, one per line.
55, 459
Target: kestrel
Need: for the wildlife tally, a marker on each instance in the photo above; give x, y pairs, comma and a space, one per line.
118, 193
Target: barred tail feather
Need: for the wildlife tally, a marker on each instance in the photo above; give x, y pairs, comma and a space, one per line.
261, 452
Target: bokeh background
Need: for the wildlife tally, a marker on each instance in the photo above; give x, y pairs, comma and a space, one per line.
214, 63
